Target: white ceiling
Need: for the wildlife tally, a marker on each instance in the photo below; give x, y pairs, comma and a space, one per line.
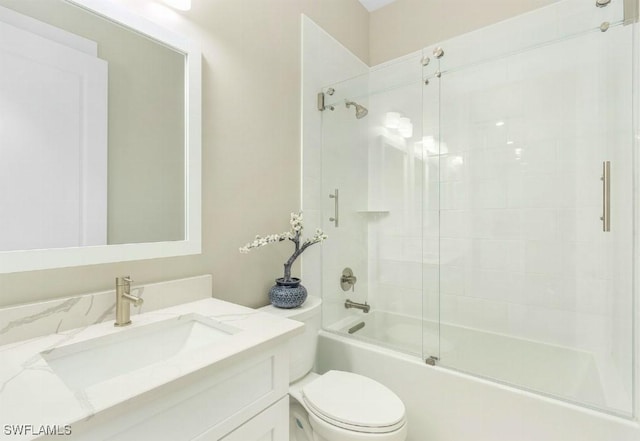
372, 5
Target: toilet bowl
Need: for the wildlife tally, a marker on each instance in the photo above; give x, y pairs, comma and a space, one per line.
335, 406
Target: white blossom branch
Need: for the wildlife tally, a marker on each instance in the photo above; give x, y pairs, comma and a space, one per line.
294, 234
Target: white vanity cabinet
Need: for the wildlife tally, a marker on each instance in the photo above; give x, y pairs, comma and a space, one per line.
240, 399
270, 425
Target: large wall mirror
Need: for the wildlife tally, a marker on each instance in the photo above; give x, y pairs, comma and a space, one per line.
99, 136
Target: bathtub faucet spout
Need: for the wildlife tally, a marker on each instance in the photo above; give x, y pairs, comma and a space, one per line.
362, 306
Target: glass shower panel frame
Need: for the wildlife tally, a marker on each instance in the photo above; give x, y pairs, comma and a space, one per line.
539, 296
435, 156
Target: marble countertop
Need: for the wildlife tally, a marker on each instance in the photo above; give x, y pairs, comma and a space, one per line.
32, 394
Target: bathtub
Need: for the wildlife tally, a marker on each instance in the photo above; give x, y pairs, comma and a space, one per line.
554, 370
444, 404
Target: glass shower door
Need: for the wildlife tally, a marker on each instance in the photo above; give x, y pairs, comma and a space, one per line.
536, 288
343, 194
374, 163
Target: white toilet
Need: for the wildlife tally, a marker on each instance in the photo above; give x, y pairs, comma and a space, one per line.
336, 406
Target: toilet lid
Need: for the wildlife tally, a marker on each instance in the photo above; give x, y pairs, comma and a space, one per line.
354, 402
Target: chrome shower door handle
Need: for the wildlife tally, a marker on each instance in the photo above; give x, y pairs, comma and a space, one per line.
606, 196
335, 217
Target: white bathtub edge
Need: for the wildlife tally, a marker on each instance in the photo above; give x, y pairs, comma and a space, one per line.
491, 410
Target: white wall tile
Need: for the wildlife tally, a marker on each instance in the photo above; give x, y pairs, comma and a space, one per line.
454, 195
540, 224
453, 223
539, 190
389, 247
495, 285
549, 291
452, 280
454, 252
504, 255
489, 193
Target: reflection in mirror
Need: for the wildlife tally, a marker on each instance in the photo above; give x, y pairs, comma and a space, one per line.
92, 131
100, 136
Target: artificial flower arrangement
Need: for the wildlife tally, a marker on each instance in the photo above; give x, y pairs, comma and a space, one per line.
294, 235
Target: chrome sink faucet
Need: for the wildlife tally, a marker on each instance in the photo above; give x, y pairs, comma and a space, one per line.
123, 299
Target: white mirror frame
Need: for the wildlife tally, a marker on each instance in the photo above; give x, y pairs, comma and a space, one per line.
30, 260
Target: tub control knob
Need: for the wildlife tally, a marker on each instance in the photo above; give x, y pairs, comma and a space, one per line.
348, 280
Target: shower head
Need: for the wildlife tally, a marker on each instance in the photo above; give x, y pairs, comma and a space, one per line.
361, 111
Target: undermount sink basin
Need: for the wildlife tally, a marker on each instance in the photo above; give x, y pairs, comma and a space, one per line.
93, 361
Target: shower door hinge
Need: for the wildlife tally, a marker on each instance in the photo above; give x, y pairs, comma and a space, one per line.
431, 361
321, 105
321, 101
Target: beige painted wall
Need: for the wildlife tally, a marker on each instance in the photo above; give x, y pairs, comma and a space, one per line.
406, 26
251, 145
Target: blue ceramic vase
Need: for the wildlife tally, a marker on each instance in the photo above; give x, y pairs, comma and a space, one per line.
287, 295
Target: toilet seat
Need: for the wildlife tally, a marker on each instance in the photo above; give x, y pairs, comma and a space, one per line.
354, 402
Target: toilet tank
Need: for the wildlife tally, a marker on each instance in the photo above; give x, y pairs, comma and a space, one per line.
302, 348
